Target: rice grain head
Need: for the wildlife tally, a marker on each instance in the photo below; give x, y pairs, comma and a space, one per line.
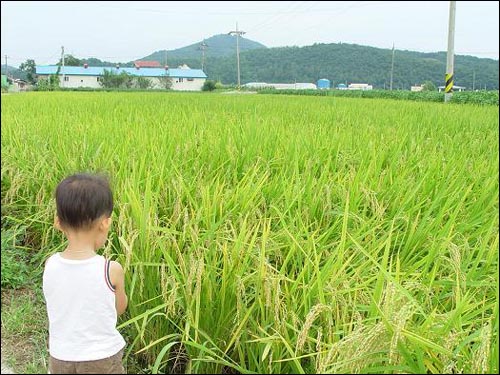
310, 318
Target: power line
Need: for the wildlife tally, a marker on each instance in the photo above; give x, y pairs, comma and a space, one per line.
273, 17
228, 12
340, 11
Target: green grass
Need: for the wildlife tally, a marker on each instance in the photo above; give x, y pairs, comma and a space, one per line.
24, 330
24, 323
279, 234
463, 97
14, 268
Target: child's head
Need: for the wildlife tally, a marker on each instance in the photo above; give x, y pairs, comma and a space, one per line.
84, 203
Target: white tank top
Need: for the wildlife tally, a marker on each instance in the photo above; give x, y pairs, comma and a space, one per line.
81, 309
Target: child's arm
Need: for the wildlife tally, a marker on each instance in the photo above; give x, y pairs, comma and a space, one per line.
117, 276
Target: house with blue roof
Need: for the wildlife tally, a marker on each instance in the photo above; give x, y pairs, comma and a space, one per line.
183, 78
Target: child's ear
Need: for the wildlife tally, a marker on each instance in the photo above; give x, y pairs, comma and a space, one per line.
106, 223
57, 223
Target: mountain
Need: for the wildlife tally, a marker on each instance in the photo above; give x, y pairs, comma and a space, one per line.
339, 62
216, 46
14, 72
348, 63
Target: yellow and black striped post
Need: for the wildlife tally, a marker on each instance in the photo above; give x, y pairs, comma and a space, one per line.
448, 86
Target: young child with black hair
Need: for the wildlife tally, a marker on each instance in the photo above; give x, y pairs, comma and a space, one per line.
84, 291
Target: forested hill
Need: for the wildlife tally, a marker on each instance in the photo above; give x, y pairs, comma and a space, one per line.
13, 72
216, 46
347, 63
339, 62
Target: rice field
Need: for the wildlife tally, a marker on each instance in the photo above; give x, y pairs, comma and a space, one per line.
278, 234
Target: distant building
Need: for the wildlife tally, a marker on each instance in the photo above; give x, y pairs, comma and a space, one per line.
455, 88
4, 81
293, 86
7, 83
19, 85
147, 64
323, 84
341, 86
281, 86
184, 79
417, 88
360, 86
255, 85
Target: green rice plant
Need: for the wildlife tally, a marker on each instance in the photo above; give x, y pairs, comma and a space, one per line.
279, 234
462, 97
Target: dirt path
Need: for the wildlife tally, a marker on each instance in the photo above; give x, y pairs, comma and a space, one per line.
6, 369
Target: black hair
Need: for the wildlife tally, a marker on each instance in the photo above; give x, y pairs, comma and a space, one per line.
83, 198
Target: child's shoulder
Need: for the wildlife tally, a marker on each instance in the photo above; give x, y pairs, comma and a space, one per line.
116, 273
115, 266
52, 257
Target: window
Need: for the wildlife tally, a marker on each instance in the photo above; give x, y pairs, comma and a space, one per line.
181, 79
190, 79
81, 80
66, 78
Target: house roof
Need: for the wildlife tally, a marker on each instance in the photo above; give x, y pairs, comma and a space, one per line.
147, 64
99, 71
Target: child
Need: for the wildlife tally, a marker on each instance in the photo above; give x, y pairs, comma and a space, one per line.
84, 291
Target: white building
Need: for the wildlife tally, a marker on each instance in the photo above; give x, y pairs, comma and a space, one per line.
255, 85
183, 79
281, 86
359, 86
416, 88
19, 85
455, 88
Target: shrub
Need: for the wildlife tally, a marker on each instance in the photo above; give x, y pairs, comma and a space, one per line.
14, 267
208, 86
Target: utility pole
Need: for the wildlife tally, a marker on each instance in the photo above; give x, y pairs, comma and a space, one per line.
238, 34
166, 58
473, 80
203, 46
448, 85
63, 76
392, 65
6, 75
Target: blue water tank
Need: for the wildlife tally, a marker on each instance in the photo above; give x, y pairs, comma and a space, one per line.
323, 83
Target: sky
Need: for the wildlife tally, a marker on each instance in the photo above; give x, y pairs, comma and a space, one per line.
122, 31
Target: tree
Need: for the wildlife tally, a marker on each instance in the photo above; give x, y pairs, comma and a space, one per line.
70, 60
29, 67
50, 83
54, 81
165, 82
109, 79
429, 86
208, 86
143, 82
